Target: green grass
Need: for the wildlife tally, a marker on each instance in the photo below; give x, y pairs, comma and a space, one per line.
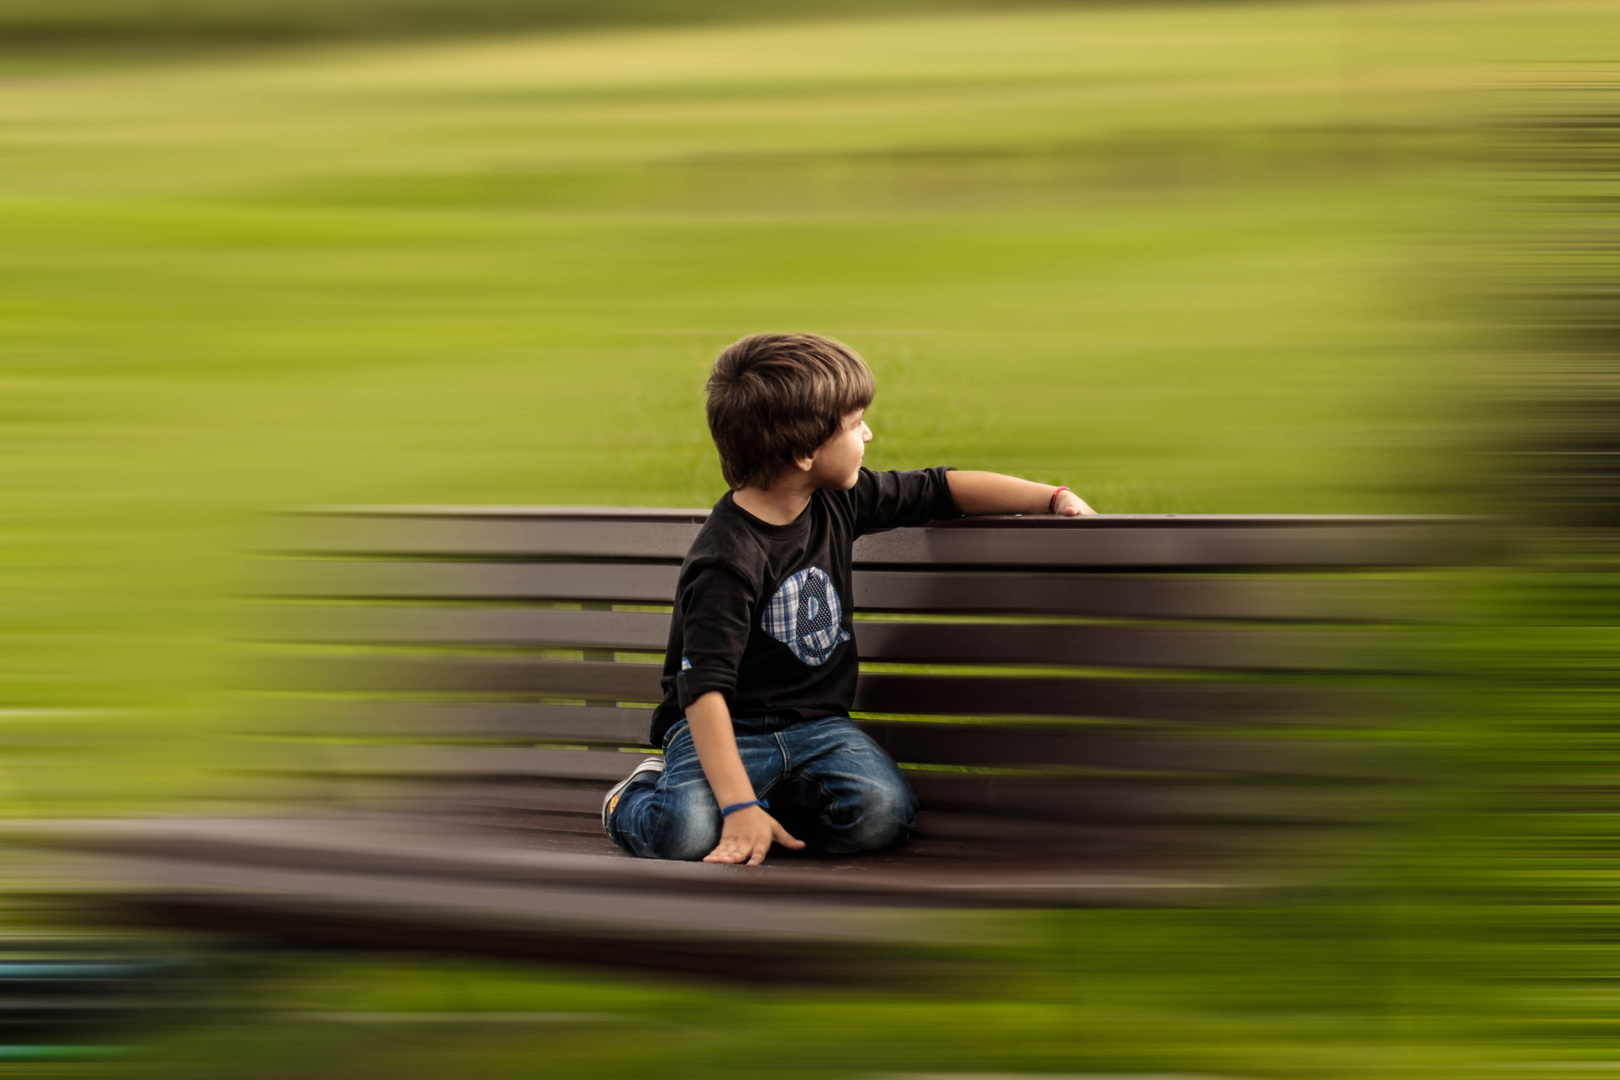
1182, 259
1177, 258
1090, 994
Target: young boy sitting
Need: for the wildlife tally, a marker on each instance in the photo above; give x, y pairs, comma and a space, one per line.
760, 671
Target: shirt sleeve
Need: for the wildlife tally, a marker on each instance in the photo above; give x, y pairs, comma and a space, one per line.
717, 610
898, 498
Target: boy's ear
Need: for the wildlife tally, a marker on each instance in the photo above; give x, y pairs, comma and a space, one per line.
805, 464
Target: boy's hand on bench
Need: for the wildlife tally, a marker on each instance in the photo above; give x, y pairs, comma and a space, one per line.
1068, 504
746, 838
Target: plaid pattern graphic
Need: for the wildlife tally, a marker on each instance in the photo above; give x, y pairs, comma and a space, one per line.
807, 616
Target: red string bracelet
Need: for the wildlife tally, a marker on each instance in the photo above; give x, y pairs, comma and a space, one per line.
1051, 506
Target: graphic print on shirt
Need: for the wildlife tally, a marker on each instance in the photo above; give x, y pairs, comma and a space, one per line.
807, 616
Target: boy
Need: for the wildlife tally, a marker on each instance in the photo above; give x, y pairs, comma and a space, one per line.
760, 671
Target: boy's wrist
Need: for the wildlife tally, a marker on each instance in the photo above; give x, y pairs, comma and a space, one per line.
731, 794
732, 808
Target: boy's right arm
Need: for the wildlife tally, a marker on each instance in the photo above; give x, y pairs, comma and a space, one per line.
747, 834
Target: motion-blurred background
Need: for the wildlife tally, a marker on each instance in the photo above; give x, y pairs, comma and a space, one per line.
1294, 256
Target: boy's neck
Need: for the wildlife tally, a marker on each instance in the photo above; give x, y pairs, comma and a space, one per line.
779, 504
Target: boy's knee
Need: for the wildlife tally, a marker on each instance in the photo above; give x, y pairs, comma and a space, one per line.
690, 825
887, 812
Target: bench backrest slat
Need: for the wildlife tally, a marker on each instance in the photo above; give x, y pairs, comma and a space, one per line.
496, 721
1105, 645
1120, 668
1114, 541
1183, 596
879, 692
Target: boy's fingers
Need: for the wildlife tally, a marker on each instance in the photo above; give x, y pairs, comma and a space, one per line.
725, 852
737, 849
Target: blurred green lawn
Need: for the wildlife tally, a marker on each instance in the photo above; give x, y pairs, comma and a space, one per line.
1184, 259
1180, 258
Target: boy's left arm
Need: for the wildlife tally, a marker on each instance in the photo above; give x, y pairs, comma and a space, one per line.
994, 493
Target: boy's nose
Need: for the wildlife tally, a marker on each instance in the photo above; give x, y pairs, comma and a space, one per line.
866, 432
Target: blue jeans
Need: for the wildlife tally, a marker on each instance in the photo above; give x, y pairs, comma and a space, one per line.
828, 784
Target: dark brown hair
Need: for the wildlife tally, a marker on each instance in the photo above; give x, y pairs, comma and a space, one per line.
776, 397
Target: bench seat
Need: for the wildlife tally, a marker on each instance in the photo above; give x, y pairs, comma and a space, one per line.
390, 884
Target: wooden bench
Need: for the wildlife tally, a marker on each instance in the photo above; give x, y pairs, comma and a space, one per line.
1110, 710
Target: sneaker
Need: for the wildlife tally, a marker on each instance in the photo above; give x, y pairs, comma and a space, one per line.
652, 763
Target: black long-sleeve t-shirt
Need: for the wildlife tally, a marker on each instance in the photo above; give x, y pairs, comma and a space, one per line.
762, 612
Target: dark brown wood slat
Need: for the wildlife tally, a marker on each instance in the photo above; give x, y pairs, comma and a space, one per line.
1030, 840
529, 795
1238, 648
978, 839
879, 692
1168, 541
471, 533
502, 626
608, 767
563, 814
936, 643
929, 745
1108, 540
1124, 699
1132, 596
592, 679
904, 591
441, 795
460, 719
1043, 746
546, 828
387, 849
1145, 801
1056, 747
385, 579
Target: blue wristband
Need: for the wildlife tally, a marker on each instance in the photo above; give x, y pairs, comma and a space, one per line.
727, 811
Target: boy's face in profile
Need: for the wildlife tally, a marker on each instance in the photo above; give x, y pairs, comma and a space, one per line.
836, 463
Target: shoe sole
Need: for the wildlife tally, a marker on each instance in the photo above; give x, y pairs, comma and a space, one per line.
610, 801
